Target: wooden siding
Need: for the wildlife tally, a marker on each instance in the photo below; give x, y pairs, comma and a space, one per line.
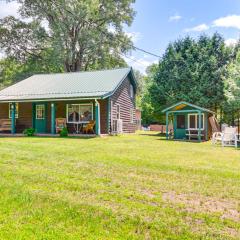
103, 116
24, 119
122, 97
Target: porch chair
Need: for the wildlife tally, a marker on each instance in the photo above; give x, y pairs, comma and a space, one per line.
5, 125
227, 137
60, 124
89, 127
170, 134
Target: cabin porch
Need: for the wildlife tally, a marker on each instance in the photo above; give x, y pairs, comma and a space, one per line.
43, 116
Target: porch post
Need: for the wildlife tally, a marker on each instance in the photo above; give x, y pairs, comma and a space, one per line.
166, 125
97, 118
199, 125
53, 118
13, 120
33, 114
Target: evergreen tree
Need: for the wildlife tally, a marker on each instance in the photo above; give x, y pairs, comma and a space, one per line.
193, 71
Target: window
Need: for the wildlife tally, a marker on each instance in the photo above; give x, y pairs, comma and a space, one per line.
131, 115
180, 121
193, 121
16, 110
79, 113
131, 91
118, 111
40, 111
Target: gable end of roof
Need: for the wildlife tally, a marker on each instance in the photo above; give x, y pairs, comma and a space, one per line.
132, 79
188, 104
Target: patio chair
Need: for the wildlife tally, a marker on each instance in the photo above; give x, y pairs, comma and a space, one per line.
217, 137
227, 137
60, 124
89, 127
5, 125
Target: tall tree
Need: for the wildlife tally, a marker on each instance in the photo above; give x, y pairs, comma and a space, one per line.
232, 90
144, 98
84, 34
193, 71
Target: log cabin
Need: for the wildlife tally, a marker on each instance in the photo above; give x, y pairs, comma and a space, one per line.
106, 97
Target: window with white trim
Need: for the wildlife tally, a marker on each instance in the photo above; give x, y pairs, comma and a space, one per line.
16, 110
77, 113
40, 111
193, 121
131, 115
118, 111
131, 91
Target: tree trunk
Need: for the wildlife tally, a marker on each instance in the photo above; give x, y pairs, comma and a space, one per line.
67, 66
233, 118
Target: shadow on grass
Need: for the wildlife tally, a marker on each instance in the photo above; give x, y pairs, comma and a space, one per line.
52, 137
153, 134
163, 138
180, 140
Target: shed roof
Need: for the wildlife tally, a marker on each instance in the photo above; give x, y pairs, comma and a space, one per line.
180, 105
94, 84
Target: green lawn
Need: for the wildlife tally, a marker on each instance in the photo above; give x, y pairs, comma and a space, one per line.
126, 187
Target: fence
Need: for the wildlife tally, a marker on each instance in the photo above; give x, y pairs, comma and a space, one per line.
160, 128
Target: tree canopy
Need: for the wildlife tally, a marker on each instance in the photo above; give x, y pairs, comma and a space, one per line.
82, 34
193, 71
231, 107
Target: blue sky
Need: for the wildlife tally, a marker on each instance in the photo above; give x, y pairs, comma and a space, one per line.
159, 22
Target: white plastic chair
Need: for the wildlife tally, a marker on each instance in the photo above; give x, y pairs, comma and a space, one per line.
227, 137
217, 137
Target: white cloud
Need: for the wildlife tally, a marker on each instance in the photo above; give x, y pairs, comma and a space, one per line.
231, 21
140, 63
198, 28
135, 36
231, 41
175, 18
10, 8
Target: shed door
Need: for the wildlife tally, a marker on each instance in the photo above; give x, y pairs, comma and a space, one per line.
40, 118
180, 132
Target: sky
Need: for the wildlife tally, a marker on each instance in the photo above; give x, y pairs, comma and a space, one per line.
159, 22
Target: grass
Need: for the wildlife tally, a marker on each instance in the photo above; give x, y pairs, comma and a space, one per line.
126, 187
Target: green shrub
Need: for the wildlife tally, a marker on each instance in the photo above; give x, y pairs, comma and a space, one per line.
29, 132
64, 132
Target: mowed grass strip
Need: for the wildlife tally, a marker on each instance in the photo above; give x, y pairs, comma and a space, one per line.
137, 186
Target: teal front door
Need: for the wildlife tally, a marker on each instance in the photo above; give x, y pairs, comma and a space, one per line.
180, 126
40, 118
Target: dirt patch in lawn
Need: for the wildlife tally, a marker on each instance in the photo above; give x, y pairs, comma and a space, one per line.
199, 226
196, 203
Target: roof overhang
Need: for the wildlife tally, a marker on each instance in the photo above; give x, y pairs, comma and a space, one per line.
50, 100
178, 107
132, 80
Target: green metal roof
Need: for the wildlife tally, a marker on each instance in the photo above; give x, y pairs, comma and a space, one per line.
171, 108
95, 84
